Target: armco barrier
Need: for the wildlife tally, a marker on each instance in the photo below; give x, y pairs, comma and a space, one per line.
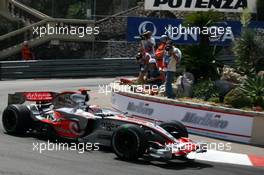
0, 70
73, 68
204, 119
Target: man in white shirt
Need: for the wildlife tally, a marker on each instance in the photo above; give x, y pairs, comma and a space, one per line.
174, 58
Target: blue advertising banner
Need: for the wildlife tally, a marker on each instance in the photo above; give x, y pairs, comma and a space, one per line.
222, 34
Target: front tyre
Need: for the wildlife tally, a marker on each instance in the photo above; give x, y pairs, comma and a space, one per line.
16, 119
128, 142
175, 128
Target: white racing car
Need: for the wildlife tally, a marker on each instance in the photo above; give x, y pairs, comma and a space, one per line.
67, 115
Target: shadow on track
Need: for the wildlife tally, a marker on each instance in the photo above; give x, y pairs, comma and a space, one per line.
177, 164
173, 164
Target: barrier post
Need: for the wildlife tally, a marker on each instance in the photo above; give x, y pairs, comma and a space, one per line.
0, 71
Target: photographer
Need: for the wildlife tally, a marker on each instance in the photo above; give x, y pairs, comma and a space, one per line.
166, 56
171, 60
160, 52
143, 60
148, 43
153, 77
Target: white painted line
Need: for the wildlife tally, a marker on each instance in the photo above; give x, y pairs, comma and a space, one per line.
224, 157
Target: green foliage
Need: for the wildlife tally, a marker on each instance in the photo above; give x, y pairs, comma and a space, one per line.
237, 99
58, 8
260, 11
254, 89
199, 59
245, 17
77, 11
201, 19
44, 6
251, 92
5, 27
214, 100
205, 90
248, 49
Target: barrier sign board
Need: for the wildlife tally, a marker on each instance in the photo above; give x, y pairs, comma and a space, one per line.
203, 121
201, 5
222, 34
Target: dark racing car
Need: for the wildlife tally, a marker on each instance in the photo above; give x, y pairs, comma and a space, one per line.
67, 115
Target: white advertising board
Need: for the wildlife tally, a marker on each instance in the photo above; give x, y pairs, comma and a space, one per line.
205, 122
201, 5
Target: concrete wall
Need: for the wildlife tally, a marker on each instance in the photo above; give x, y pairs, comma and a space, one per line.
257, 131
3, 5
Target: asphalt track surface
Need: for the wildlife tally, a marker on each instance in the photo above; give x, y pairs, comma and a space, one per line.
18, 158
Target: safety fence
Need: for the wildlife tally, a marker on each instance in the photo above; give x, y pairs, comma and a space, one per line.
74, 68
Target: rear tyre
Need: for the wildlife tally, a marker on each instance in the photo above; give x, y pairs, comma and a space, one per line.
128, 142
16, 119
175, 128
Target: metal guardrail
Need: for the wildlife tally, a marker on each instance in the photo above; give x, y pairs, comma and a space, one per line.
74, 68
19, 9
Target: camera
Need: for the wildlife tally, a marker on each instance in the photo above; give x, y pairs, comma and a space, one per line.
145, 35
139, 56
168, 47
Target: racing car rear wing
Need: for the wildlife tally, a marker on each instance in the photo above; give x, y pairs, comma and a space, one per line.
22, 97
57, 99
